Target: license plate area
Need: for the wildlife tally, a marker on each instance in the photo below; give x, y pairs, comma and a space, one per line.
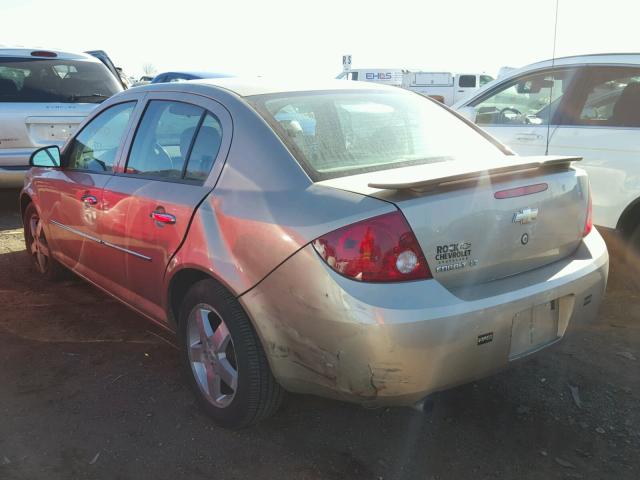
534, 328
57, 131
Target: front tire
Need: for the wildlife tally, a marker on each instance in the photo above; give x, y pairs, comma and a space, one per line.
37, 246
223, 358
632, 255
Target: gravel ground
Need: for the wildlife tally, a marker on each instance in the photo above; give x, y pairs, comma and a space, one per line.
90, 390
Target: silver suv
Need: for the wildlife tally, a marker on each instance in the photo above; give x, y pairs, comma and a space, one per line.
44, 95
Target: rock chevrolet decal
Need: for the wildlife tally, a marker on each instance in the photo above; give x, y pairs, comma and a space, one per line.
454, 256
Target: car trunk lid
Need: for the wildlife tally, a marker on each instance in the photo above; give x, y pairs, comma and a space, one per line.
24, 125
477, 223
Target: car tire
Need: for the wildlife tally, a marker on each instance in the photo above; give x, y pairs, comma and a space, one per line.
37, 246
632, 255
223, 358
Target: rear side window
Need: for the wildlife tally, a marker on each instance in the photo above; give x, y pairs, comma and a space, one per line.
205, 149
612, 99
467, 81
55, 81
96, 146
174, 141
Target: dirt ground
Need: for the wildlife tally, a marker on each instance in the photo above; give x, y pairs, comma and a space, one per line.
90, 390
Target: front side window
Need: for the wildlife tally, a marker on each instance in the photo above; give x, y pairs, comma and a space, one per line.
528, 100
175, 141
467, 81
53, 80
96, 146
338, 133
613, 99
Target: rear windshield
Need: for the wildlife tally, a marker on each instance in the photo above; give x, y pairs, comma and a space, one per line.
339, 133
53, 80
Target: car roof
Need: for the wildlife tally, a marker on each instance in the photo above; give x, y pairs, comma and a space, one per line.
596, 58
23, 52
197, 73
246, 87
591, 59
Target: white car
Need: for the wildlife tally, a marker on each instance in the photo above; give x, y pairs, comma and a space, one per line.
44, 95
584, 105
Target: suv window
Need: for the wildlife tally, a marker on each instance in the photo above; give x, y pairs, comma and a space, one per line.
166, 138
613, 99
52, 80
484, 79
95, 147
467, 81
530, 99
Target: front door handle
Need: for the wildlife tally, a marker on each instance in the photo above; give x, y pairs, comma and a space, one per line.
163, 217
89, 200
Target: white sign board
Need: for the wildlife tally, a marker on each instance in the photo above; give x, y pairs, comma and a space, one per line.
346, 63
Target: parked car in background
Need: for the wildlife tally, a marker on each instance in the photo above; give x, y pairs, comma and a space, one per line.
106, 60
584, 105
444, 87
143, 80
44, 95
383, 252
180, 76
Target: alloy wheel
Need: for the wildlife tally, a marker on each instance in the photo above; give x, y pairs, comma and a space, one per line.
38, 245
212, 355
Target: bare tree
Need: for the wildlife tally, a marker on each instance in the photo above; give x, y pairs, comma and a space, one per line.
149, 69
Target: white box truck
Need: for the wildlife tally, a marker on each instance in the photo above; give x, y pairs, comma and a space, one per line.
445, 87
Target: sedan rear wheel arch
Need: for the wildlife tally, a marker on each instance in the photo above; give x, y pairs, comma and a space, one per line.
218, 342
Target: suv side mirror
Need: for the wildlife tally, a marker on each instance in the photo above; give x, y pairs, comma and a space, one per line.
45, 157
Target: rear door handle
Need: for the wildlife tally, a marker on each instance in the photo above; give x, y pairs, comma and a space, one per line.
89, 200
528, 137
163, 217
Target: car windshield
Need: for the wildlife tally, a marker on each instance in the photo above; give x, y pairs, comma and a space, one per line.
339, 133
53, 80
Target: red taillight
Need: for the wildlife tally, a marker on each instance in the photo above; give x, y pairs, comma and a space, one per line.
379, 249
588, 223
43, 53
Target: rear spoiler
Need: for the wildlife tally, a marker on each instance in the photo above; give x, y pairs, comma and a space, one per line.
461, 173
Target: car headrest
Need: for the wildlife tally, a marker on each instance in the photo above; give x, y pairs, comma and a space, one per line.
185, 141
626, 111
208, 144
7, 87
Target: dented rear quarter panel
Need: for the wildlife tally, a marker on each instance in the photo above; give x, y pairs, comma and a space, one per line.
263, 207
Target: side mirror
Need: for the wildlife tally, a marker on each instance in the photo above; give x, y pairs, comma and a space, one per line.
469, 113
46, 157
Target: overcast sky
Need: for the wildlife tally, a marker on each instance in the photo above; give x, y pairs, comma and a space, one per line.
309, 37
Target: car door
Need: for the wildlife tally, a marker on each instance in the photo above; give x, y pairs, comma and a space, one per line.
465, 84
603, 127
149, 203
521, 112
71, 196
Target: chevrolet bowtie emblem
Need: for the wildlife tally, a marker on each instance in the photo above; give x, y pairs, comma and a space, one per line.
526, 215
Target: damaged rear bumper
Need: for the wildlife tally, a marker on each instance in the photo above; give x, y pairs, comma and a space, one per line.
393, 344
